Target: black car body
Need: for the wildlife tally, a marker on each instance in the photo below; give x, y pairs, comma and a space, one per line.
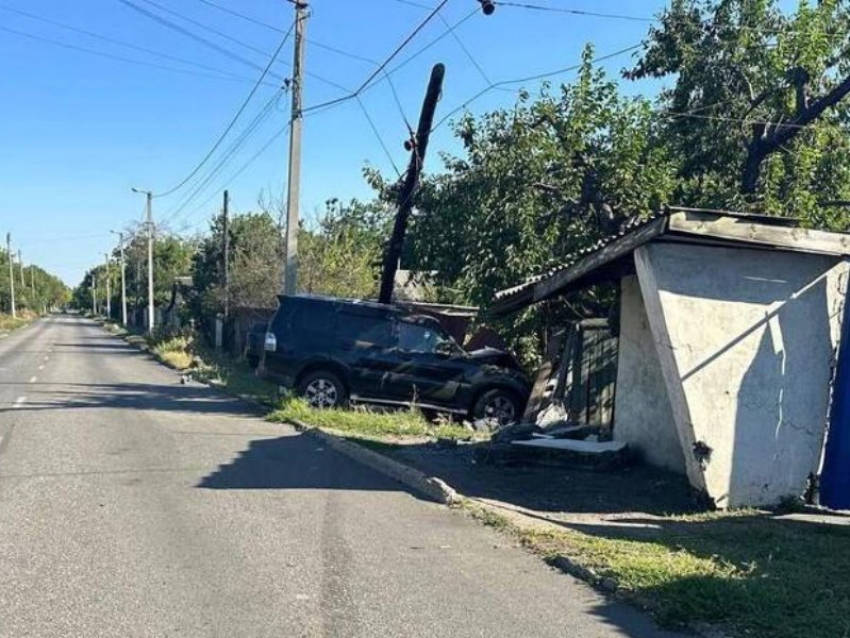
332, 350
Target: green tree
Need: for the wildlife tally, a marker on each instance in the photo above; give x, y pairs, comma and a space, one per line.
755, 113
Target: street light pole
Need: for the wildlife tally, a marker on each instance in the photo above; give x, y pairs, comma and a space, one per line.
108, 293
11, 272
123, 278
149, 224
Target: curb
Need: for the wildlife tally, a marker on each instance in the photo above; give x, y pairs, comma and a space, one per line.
430, 486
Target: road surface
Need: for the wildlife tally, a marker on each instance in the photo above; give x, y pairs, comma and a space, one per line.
131, 505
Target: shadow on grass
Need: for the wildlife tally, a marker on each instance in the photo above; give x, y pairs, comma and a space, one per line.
756, 574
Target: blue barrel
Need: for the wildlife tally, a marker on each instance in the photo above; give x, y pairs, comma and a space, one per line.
835, 477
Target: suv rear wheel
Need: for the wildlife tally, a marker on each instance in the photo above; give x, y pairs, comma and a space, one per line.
323, 389
497, 407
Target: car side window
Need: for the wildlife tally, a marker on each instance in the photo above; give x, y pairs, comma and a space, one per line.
417, 338
365, 331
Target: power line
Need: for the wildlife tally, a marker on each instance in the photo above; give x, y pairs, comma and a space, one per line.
119, 58
378, 135
243, 168
226, 36
271, 27
235, 117
231, 151
189, 34
530, 78
116, 41
382, 66
578, 12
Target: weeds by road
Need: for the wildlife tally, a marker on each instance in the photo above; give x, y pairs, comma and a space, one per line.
749, 573
366, 422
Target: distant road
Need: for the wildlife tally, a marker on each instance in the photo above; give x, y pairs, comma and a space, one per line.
131, 505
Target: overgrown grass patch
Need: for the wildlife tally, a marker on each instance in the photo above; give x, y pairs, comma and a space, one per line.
9, 323
367, 422
747, 572
175, 351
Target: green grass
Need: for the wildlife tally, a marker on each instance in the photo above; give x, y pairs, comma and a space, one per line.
747, 572
9, 323
365, 422
176, 351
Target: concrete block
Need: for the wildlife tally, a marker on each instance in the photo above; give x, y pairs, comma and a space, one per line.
746, 340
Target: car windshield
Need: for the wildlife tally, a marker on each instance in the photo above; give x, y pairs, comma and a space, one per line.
415, 337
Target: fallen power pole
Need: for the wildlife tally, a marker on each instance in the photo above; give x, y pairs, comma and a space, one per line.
392, 255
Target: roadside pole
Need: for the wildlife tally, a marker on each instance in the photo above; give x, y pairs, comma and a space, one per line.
225, 213
123, 282
94, 295
108, 293
290, 275
32, 286
419, 145
149, 224
150, 263
11, 272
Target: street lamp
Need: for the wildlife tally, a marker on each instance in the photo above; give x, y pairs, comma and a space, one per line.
149, 223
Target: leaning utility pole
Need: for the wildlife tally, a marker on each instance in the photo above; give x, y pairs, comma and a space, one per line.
11, 272
225, 250
419, 145
290, 276
108, 294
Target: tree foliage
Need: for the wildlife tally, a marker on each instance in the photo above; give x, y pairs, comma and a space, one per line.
755, 114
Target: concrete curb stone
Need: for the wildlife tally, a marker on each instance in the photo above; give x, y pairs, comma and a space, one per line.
430, 486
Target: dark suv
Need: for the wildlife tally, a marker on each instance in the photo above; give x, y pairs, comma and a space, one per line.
332, 350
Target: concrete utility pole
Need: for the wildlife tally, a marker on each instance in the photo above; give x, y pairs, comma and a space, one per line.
149, 224
11, 272
123, 278
108, 293
21, 266
32, 284
411, 182
290, 277
225, 213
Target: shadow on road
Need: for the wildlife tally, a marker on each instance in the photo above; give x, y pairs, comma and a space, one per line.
132, 396
295, 461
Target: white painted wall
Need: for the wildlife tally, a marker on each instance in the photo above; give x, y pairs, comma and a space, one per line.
746, 340
642, 413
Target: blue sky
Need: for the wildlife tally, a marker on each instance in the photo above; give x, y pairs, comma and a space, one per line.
78, 129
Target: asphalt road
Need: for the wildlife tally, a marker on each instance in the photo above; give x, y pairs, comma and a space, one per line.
131, 505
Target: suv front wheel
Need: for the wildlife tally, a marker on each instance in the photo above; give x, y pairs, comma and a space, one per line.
323, 389
497, 407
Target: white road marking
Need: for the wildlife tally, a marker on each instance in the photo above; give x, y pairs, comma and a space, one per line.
19, 402
34, 379
41, 367
47, 357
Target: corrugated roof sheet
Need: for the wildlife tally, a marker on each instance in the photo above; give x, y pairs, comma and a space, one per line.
629, 226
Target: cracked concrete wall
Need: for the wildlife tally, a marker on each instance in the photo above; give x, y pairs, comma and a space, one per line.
746, 341
642, 412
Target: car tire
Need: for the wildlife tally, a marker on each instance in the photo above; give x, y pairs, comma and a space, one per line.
497, 407
323, 389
